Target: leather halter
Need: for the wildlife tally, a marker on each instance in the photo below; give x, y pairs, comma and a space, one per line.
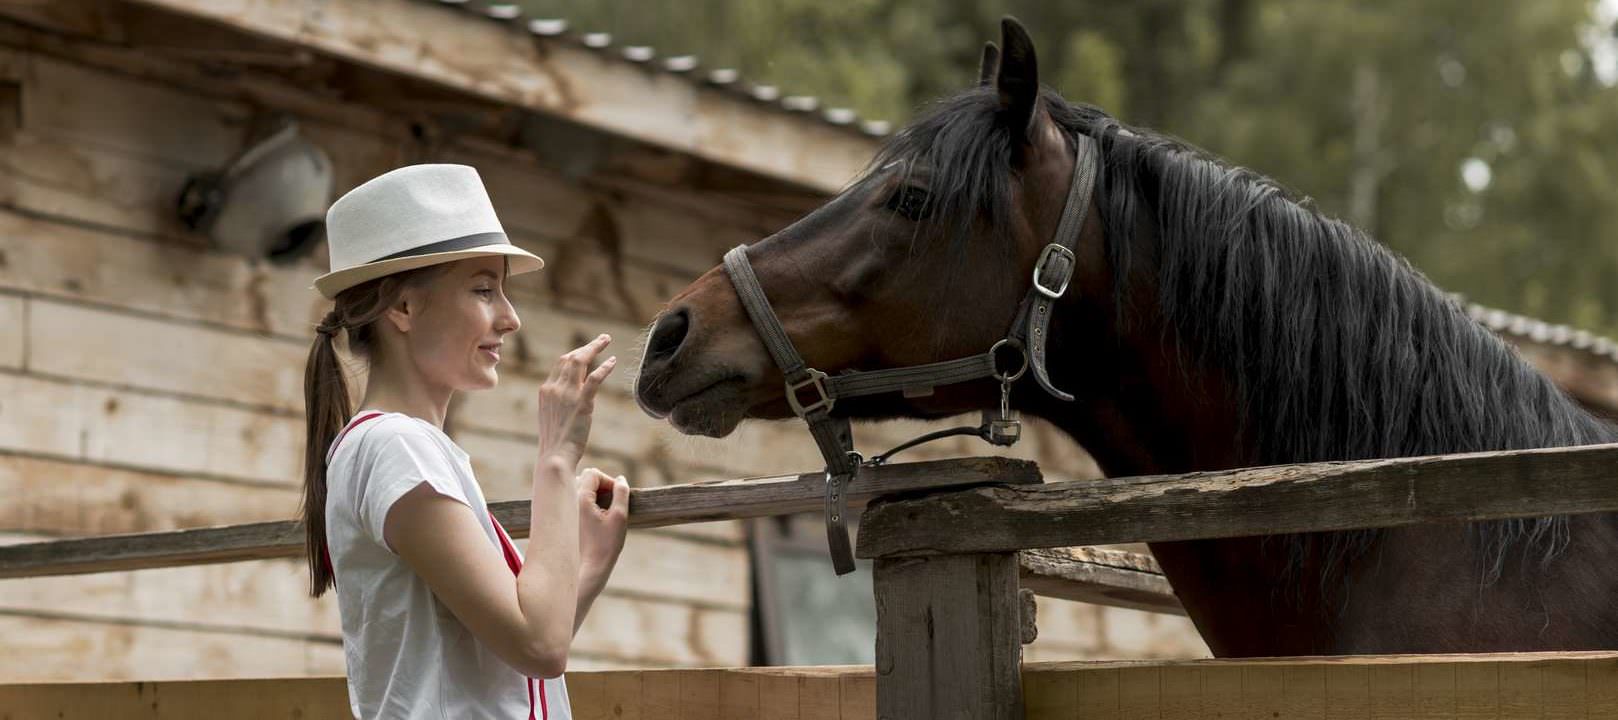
1028, 335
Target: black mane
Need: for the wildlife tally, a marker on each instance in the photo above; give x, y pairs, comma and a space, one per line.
1335, 347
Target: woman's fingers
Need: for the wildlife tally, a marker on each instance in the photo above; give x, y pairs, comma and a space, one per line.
575, 364
620, 496
599, 375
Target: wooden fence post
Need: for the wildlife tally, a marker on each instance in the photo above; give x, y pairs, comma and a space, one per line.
948, 638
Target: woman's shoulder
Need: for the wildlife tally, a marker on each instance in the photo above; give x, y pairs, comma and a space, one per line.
392, 431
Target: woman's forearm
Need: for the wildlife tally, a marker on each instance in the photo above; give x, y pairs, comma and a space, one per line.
591, 584
548, 586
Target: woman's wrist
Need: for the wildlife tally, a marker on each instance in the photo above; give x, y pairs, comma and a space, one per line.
593, 576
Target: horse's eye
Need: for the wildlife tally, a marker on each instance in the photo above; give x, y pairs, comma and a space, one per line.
910, 201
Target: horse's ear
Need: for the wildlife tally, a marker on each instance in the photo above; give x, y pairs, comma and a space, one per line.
990, 64
1017, 78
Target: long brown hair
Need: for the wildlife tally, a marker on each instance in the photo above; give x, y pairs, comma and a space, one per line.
325, 396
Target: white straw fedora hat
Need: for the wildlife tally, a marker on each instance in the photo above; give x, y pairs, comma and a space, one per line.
412, 217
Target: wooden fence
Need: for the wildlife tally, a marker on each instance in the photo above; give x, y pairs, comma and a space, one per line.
950, 618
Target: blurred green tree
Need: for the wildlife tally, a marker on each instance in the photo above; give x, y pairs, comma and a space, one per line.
1477, 140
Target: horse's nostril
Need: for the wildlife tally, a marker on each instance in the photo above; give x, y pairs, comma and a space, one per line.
669, 333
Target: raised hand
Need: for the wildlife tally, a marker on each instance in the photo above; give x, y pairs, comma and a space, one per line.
567, 401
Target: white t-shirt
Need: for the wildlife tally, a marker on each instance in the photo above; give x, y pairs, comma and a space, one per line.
408, 656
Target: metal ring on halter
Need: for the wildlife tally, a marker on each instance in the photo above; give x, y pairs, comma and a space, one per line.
993, 351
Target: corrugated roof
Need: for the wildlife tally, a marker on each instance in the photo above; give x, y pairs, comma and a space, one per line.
684, 66
1539, 331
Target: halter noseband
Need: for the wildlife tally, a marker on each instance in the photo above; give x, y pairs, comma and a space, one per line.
1028, 335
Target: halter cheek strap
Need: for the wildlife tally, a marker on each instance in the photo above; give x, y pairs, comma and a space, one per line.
812, 393
1054, 270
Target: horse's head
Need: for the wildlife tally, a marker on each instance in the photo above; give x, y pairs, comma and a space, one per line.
924, 258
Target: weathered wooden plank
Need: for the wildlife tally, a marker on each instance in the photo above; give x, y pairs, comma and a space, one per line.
1050, 696
1256, 501
48, 649
1477, 690
857, 695
13, 346
271, 598
78, 17
509, 66
783, 495
53, 417
88, 107
60, 497
1102, 577
65, 261
263, 595
777, 698
658, 565
1566, 692
1601, 681
649, 507
650, 694
319, 698
701, 573
948, 640
51, 176
660, 694
66, 340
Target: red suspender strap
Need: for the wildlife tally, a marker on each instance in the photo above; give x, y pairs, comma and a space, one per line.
354, 424
514, 561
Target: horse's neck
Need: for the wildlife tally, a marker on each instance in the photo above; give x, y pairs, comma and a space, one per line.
1138, 410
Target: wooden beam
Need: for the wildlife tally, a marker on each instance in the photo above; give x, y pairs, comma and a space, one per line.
503, 63
1098, 576
74, 17
948, 637
1435, 686
649, 507
1250, 502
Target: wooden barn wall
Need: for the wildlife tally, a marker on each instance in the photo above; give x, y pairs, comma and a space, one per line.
148, 382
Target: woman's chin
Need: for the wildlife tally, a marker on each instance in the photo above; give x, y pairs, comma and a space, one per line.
484, 380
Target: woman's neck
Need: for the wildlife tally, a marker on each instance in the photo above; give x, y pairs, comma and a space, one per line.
388, 391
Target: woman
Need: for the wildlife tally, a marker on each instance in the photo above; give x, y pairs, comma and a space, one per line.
434, 625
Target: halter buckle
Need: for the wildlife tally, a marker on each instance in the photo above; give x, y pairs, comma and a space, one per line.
1050, 251
817, 379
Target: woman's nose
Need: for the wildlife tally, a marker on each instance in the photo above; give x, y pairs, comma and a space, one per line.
508, 322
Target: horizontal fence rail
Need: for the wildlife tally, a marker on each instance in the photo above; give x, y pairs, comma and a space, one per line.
1505, 685
648, 508
1253, 501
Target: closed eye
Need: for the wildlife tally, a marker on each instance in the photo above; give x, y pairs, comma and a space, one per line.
910, 202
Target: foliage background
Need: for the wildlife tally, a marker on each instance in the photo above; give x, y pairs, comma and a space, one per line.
1480, 140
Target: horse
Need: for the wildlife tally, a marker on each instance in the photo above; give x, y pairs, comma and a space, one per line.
1213, 321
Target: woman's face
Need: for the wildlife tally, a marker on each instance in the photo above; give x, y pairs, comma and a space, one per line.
455, 337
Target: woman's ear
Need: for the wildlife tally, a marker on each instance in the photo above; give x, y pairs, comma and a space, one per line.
403, 311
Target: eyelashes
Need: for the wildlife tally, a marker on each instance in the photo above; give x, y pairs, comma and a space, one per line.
910, 202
